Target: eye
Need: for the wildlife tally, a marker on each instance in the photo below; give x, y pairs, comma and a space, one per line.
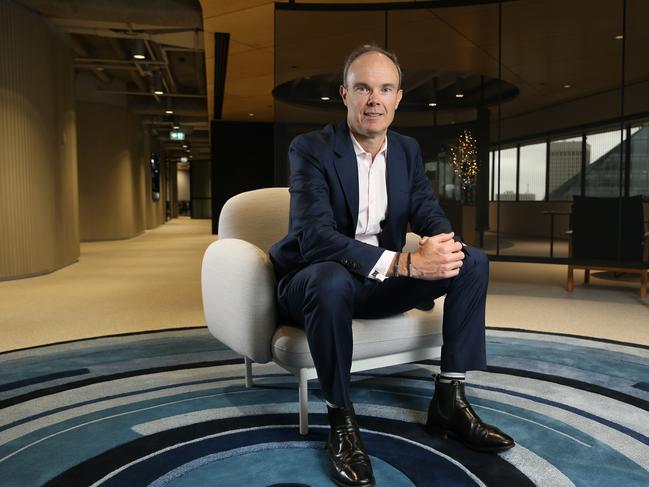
361, 90
386, 89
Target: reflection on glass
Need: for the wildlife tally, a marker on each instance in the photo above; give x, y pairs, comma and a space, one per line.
506, 177
565, 168
640, 161
532, 172
567, 81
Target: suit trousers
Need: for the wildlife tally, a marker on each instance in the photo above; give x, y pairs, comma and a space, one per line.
323, 297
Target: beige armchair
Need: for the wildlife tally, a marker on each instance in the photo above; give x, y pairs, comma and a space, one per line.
238, 287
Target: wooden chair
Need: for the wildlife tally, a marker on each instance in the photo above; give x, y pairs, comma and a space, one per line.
609, 234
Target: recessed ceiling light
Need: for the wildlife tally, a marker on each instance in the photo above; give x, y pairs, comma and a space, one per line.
158, 92
139, 56
176, 127
567, 86
184, 146
432, 104
325, 98
619, 37
99, 68
251, 114
169, 112
459, 95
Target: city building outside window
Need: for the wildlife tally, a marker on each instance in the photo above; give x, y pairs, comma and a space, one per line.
565, 168
505, 181
603, 163
639, 179
531, 181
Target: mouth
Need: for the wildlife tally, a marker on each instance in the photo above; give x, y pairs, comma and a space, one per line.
372, 114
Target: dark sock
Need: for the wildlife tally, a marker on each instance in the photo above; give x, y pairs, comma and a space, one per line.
448, 377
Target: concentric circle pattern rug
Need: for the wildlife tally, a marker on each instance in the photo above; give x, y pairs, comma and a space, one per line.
171, 409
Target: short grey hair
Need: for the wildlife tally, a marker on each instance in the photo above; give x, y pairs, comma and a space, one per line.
359, 51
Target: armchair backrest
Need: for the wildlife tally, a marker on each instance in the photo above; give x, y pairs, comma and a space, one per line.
598, 224
259, 217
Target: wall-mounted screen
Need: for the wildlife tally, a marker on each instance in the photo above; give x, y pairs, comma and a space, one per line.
155, 176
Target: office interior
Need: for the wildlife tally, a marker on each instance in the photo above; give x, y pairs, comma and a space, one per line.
127, 125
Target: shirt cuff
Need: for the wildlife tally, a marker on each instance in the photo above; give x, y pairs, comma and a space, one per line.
380, 270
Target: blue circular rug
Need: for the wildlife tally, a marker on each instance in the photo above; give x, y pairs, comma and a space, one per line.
170, 409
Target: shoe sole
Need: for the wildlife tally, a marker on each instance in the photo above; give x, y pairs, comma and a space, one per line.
436, 430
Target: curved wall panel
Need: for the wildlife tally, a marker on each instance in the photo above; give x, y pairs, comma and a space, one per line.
39, 223
111, 177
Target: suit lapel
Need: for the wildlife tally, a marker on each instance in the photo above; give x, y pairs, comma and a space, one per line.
396, 179
347, 169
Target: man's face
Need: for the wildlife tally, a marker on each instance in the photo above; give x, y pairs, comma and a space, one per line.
371, 95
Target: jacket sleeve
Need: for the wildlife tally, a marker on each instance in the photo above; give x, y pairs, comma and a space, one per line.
426, 215
312, 216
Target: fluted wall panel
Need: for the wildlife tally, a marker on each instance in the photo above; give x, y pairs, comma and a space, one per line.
39, 225
114, 175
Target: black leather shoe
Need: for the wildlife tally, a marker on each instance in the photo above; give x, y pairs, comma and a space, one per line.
451, 414
350, 465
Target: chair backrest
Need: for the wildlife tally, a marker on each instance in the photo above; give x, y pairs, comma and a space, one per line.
608, 228
259, 217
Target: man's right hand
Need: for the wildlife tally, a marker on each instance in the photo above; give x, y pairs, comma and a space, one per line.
438, 257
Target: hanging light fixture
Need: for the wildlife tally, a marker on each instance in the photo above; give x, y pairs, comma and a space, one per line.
138, 50
433, 97
459, 93
157, 84
169, 110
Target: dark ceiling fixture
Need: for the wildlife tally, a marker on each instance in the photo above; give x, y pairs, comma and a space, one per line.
138, 50
423, 90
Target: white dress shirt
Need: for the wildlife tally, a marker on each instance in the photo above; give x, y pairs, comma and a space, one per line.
372, 203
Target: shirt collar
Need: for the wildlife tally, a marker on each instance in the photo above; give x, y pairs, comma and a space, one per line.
358, 148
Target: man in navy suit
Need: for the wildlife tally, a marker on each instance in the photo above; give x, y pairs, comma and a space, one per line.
354, 189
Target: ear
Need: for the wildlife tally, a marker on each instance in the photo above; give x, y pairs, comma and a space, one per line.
399, 96
343, 94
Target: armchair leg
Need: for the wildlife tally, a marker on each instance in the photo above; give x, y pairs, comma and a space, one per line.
571, 279
304, 402
586, 276
643, 284
248, 363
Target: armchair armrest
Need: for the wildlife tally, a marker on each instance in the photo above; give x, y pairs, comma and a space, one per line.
412, 242
238, 287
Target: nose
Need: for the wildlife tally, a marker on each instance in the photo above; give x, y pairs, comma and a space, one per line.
373, 98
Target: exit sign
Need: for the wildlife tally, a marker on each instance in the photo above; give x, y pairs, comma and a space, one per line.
176, 135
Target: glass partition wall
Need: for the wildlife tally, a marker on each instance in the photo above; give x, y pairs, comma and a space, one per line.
550, 95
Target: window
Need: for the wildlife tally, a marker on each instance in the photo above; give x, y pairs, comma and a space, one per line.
565, 168
603, 163
531, 184
505, 181
562, 173
639, 160
492, 173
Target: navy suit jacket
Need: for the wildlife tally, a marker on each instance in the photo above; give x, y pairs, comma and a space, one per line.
324, 202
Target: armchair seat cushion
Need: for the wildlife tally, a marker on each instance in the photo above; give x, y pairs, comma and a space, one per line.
415, 329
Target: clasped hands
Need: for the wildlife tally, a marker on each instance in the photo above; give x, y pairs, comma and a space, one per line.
437, 257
